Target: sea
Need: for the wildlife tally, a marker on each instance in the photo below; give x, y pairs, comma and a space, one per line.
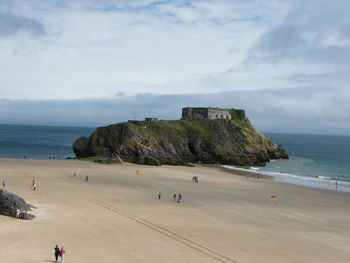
321, 161
39, 142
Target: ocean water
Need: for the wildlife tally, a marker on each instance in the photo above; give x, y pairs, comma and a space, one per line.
315, 160
39, 142
321, 161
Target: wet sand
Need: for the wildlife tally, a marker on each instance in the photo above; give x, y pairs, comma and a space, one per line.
116, 216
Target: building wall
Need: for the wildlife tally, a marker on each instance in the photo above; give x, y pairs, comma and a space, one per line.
151, 119
208, 113
215, 113
186, 112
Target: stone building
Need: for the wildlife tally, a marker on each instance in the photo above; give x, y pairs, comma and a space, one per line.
206, 112
151, 119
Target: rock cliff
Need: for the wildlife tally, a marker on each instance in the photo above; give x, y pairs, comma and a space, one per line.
10, 202
181, 141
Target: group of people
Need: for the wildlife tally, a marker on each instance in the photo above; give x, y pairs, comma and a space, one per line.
59, 252
177, 197
34, 184
20, 214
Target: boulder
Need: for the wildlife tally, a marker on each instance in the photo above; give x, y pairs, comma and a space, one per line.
10, 202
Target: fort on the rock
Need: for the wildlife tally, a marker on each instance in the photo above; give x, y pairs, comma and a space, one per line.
212, 113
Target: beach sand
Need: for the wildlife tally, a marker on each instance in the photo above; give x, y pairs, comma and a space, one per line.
116, 216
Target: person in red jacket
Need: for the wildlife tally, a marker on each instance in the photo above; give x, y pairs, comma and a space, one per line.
34, 184
62, 254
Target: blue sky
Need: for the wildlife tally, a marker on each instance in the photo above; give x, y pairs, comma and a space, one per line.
99, 62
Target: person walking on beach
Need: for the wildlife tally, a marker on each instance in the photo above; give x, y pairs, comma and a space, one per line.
62, 254
179, 197
18, 212
3, 184
34, 184
174, 197
86, 178
159, 195
57, 252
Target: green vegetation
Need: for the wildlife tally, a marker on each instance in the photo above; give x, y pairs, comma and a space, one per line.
237, 114
194, 126
142, 128
183, 128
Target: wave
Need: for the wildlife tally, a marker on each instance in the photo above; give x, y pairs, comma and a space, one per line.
318, 181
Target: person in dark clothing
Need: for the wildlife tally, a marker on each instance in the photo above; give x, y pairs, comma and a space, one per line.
179, 197
174, 197
57, 252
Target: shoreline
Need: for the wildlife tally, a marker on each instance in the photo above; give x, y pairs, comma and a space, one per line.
245, 172
312, 182
331, 185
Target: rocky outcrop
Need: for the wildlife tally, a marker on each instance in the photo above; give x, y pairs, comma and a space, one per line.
179, 142
9, 203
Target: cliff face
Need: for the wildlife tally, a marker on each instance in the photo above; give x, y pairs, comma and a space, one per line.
180, 142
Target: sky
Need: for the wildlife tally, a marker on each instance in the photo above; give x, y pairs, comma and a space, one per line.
93, 63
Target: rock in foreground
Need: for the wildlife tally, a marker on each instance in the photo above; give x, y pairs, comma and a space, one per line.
9, 203
179, 142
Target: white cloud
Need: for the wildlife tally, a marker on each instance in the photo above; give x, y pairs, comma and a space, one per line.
96, 48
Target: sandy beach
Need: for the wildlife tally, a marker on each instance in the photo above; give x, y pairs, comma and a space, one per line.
116, 216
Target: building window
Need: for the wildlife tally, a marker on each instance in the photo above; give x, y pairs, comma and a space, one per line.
216, 116
222, 116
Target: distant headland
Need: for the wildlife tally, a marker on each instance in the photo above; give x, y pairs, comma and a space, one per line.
203, 134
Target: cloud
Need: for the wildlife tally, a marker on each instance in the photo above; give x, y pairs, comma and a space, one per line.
306, 61
289, 110
98, 48
11, 24
315, 31
286, 62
